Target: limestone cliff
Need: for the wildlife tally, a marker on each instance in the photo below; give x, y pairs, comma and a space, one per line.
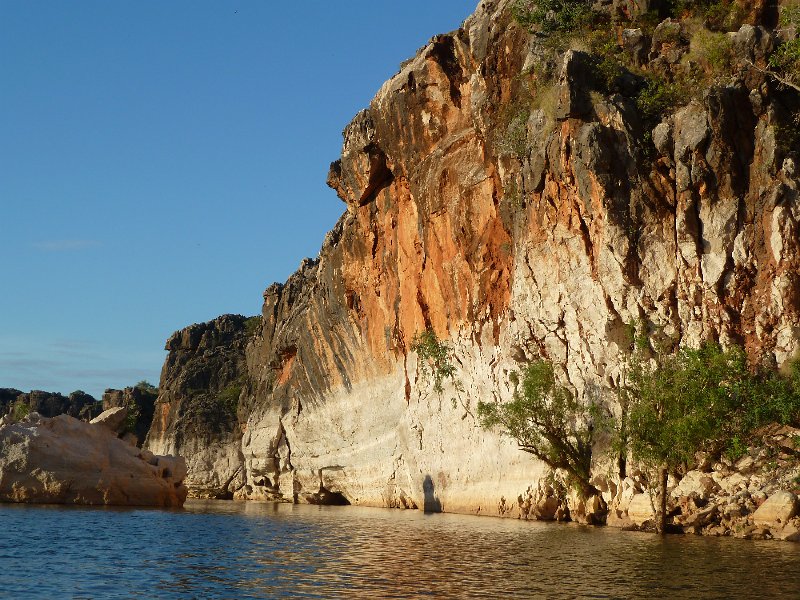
518, 215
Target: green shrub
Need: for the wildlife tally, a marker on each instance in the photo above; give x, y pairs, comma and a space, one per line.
790, 14
718, 15
435, 359
229, 397
146, 387
775, 400
714, 50
548, 421
705, 399
786, 60
566, 16
657, 97
20, 410
132, 418
787, 135
252, 325
723, 15
513, 140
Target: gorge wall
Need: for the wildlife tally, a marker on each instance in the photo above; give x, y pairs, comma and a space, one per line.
518, 217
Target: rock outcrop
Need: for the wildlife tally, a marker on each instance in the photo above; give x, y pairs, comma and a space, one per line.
198, 402
754, 497
66, 461
518, 217
49, 404
139, 401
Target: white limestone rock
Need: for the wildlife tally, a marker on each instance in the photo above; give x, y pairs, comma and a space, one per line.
66, 461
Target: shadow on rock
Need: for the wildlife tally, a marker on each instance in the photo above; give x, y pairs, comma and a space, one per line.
431, 503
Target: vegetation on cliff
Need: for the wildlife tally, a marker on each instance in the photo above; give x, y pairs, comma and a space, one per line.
435, 359
548, 421
701, 400
675, 404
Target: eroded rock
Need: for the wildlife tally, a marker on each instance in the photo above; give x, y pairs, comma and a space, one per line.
66, 461
777, 509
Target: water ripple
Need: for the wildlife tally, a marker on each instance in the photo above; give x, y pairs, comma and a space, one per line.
253, 550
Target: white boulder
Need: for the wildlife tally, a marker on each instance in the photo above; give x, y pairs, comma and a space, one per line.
66, 461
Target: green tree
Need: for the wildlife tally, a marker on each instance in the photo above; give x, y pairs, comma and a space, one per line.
549, 422
553, 15
147, 387
435, 358
705, 399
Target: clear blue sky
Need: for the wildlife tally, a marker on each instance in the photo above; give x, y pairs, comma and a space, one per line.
162, 162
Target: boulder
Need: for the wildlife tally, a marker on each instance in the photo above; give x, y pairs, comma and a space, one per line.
112, 419
172, 466
640, 510
66, 461
778, 508
546, 508
788, 533
698, 519
697, 484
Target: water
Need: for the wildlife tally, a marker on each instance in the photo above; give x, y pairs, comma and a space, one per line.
234, 550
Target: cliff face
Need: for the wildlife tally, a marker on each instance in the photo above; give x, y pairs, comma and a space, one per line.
195, 413
517, 218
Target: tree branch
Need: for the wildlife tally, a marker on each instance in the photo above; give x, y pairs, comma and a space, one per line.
774, 75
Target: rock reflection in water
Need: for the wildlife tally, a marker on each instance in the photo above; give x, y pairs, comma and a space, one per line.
253, 550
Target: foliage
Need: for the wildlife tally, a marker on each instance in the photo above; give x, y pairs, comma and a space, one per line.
705, 399
20, 410
787, 134
685, 403
146, 387
776, 399
714, 50
132, 418
229, 397
252, 325
435, 358
547, 420
723, 15
514, 139
656, 97
717, 15
790, 14
786, 60
553, 15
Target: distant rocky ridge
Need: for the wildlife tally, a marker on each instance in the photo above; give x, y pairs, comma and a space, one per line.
50, 404
140, 399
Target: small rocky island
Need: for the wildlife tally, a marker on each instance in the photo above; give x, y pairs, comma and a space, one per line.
63, 460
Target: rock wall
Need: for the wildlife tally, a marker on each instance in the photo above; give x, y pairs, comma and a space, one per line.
195, 415
513, 240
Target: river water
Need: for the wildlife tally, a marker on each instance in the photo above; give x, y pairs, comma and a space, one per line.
223, 549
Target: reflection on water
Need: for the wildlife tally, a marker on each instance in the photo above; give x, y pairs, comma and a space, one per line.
254, 550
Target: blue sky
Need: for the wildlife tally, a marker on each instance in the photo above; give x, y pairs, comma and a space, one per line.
162, 162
